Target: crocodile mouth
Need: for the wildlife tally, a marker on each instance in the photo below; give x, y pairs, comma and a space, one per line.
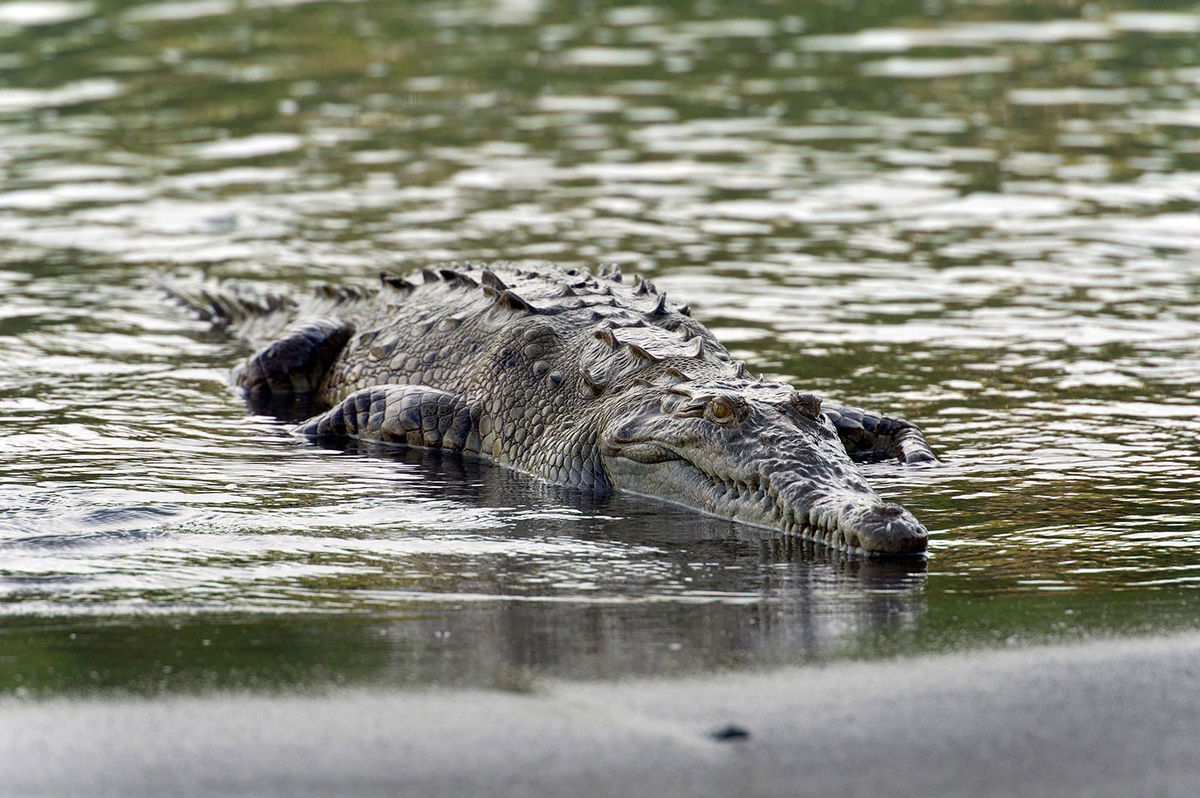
849, 521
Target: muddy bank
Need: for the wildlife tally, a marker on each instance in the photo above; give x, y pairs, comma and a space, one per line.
1106, 718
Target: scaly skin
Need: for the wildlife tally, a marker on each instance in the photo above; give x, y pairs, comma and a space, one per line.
581, 380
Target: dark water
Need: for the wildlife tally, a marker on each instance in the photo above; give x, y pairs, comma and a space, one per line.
979, 215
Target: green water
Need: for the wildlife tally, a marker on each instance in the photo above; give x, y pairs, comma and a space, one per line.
981, 216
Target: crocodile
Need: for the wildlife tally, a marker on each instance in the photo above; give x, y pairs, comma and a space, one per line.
583, 379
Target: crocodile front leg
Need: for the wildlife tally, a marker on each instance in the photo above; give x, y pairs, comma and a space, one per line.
869, 437
408, 414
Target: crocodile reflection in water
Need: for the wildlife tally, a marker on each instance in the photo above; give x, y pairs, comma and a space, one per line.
629, 573
580, 379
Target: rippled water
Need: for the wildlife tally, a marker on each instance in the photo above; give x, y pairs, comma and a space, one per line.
982, 216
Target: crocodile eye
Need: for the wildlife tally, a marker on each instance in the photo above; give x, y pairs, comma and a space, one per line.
807, 403
720, 410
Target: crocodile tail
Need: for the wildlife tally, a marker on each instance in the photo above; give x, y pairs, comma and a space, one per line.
226, 304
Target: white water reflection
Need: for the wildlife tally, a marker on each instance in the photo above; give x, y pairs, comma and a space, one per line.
77, 93
42, 12
249, 147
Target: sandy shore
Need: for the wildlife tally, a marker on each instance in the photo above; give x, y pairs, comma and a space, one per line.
1112, 718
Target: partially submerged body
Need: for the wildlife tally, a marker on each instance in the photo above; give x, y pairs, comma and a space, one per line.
583, 380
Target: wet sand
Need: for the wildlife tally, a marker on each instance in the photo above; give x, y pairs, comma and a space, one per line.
1117, 718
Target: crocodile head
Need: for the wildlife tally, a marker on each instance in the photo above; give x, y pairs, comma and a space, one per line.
758, 453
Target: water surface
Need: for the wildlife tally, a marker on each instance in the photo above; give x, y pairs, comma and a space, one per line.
981, 216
